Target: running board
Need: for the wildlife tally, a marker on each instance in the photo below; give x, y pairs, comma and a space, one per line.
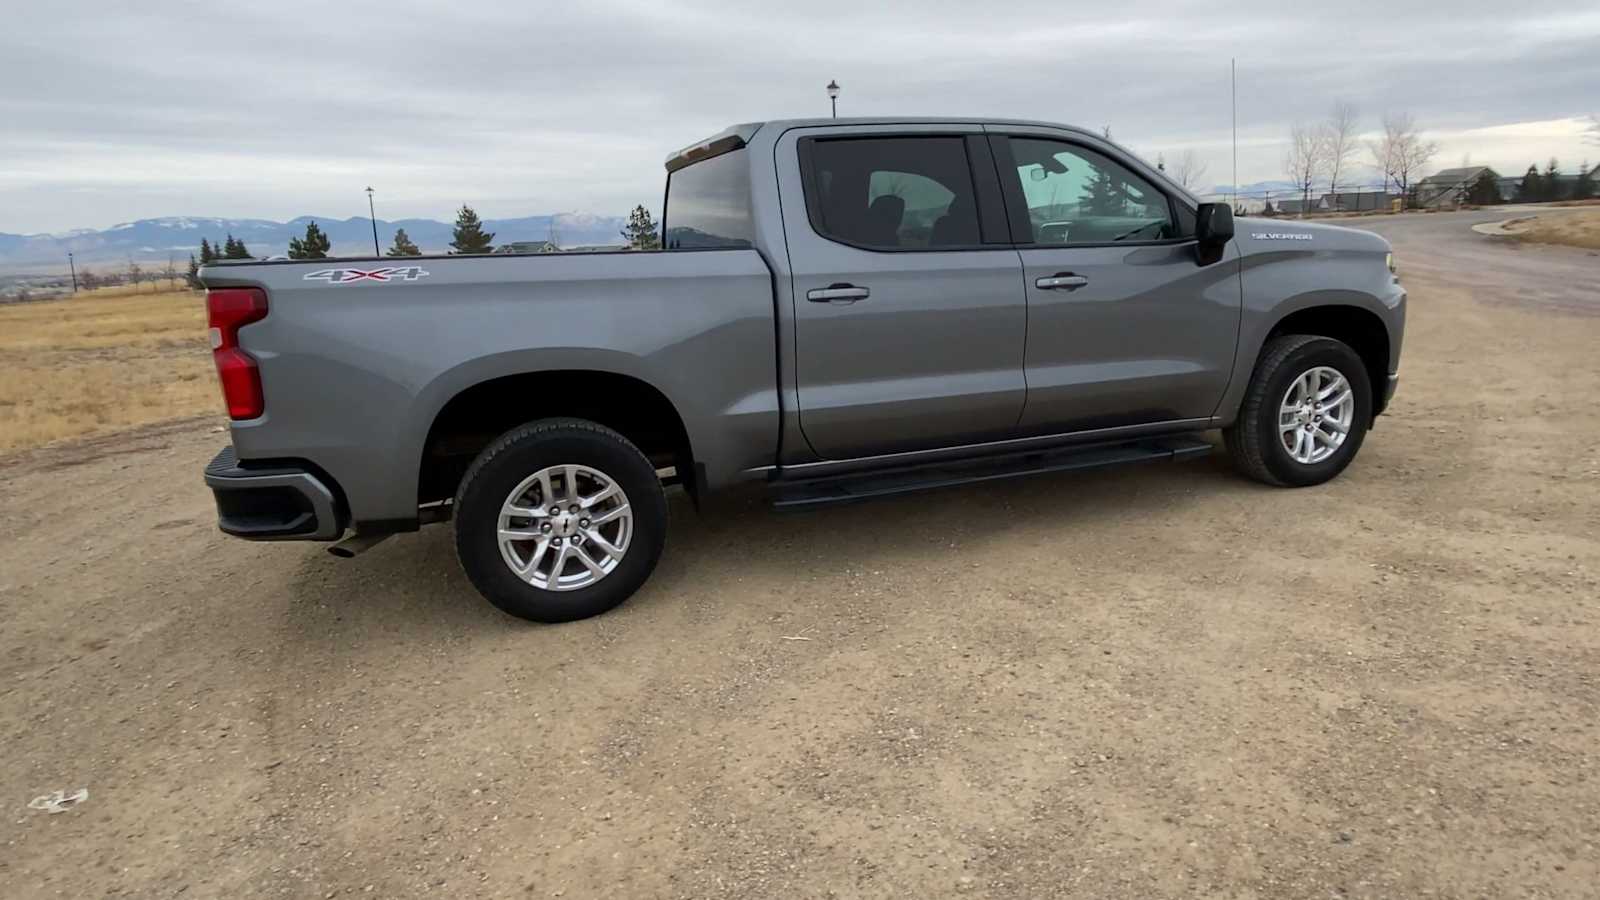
808, 493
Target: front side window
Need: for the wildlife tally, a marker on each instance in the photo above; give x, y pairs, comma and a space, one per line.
903, 193
1077, 196
708, 205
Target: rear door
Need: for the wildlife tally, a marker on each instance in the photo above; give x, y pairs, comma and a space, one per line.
910, 316
1124, 326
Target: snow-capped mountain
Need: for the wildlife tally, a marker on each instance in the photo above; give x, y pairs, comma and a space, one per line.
154, 240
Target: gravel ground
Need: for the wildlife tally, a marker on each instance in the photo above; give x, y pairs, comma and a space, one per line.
1153, 682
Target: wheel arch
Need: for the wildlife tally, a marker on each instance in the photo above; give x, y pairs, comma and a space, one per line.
1363, 330
477, 413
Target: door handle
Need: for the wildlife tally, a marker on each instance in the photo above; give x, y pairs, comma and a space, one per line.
838, 293
1061, 281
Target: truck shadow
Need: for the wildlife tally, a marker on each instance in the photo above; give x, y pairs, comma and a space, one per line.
412, 584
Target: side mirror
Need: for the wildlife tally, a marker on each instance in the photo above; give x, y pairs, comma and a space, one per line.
1213, 230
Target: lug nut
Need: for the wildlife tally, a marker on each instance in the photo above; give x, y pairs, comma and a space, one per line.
583, 523
545, 527
574, 508
556, 541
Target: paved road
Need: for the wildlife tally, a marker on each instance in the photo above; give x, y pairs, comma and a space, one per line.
1147, 683
1443, 247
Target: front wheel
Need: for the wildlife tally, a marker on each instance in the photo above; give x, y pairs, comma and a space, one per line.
560, 519
1305, 413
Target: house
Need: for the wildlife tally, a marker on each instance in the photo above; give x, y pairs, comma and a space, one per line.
528, 247
1449, 187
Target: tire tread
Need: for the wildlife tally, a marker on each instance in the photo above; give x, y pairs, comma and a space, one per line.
1243, 438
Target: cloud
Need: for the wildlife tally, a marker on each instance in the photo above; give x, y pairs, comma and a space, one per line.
117, 111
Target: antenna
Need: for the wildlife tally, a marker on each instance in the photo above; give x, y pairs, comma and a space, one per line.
1233, 85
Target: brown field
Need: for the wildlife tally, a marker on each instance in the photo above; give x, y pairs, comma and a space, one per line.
1574, 229
101, 361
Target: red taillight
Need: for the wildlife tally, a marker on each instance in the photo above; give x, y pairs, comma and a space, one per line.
230, 309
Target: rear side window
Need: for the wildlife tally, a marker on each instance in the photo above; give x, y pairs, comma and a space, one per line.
708, 205
910, 193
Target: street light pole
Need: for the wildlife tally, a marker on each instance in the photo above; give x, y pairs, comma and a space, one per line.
73, 267
373, 216
833, 96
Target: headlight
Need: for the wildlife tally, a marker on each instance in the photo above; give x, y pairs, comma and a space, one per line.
1388, 259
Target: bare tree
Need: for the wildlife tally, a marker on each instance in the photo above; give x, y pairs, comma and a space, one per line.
1339, 141
1401, 152
1303, 162
170, 273
135, 273
1189, 170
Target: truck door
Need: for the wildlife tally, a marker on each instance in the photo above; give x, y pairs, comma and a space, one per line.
910, 314
1124, 326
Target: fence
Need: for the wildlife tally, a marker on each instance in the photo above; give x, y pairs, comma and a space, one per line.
1360, 197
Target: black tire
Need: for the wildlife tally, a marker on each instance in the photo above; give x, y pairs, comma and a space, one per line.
519, 454
1254, 441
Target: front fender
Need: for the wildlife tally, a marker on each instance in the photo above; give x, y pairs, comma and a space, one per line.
1280, 276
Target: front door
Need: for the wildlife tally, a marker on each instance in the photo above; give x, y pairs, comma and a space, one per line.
1124, 326
910, 315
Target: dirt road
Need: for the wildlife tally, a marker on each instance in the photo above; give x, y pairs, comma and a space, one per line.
1154, 682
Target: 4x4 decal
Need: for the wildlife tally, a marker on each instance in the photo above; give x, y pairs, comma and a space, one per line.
346, 276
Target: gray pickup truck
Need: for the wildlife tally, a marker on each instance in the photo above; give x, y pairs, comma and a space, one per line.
843, 308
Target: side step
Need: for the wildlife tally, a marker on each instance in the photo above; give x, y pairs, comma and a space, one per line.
809, 493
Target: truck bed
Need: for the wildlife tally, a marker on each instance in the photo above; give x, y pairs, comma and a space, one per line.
358, 356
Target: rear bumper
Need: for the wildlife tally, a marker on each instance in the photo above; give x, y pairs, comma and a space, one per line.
272, 501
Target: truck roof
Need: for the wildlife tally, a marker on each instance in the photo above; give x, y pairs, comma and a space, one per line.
736, 136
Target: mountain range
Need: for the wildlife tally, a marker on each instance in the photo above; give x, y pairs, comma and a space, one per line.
154, 240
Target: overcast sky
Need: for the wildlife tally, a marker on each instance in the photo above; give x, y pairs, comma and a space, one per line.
116, 111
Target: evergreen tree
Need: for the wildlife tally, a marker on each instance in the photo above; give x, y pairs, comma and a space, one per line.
640, 232
314, 245
403, 245
469, 236
1532, 187
1484, 190
1584, 188
207, 256
234, 249
1103, 196
193, 276
1551, 183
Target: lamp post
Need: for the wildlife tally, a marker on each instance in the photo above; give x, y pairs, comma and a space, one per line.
74, 268
373, 216
833, 96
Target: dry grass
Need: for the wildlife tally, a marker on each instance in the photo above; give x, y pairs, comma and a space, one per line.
1574, 229
99, 362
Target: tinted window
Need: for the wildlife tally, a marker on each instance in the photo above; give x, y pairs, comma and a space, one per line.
908, 193
1077, 196
708, 204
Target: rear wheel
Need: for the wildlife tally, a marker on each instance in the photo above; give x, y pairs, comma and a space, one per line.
1305, 413
559, 519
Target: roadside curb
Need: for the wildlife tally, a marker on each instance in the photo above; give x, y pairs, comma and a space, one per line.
1502, 228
